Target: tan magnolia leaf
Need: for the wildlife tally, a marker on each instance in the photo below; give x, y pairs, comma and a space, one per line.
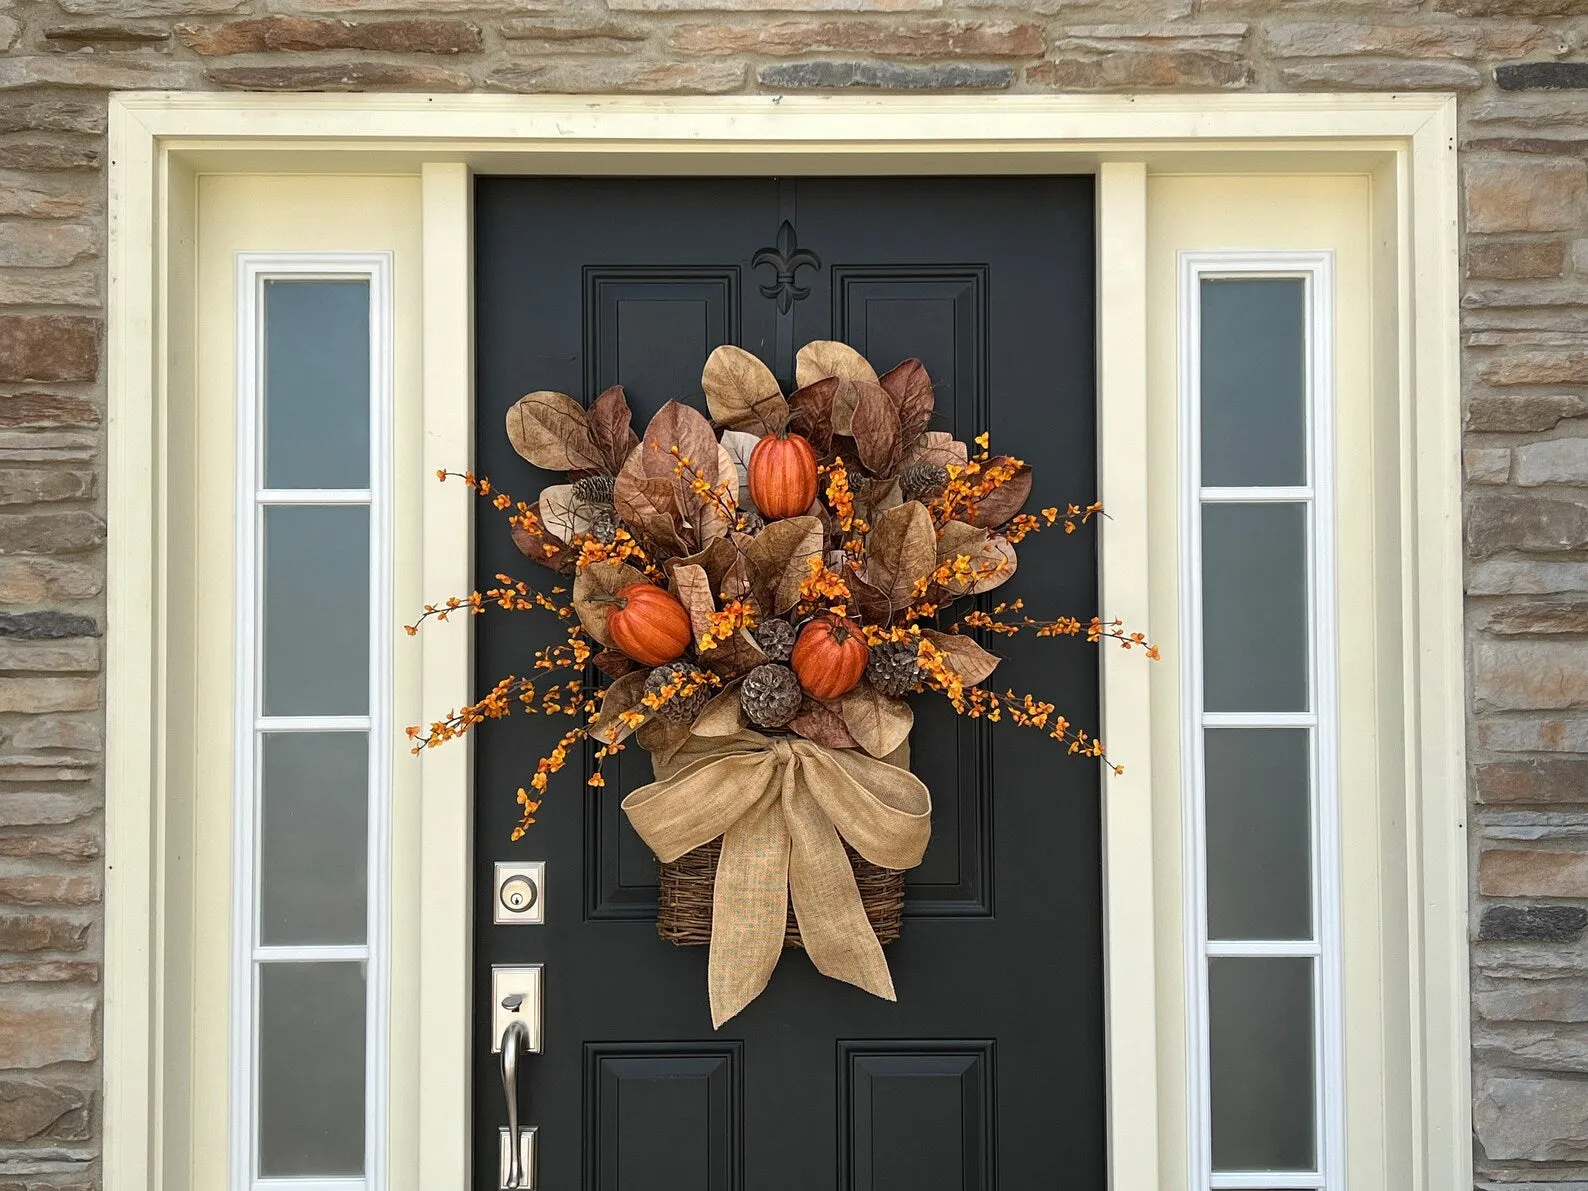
984, 552
735, 581
718, 558
738, 445
911, 390
693, 589
875, 428
779, 561
900, 550
622, 695
722, 716
820, 724
873, 604
612, 428
564, 514
600, 579
544, 547
1004, 501
963, 656
811, 414
742, 393
552, 431
715, 514
878, 723
939, 447
827, 357
958, 537
995, 564
679, 425
614, 663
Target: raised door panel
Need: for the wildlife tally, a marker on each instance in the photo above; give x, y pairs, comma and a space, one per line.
663, 1115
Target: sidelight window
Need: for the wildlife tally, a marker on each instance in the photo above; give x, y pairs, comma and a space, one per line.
313, 731
1260, 797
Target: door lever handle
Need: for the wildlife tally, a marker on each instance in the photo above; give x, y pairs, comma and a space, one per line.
515, 1039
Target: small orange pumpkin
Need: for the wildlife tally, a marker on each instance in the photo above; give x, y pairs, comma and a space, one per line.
783, 476
648, 624
830, 656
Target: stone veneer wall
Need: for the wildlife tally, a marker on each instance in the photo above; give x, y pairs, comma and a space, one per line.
1518, 67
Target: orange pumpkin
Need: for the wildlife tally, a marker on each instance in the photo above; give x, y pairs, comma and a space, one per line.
648, 624
830, 656
783, 476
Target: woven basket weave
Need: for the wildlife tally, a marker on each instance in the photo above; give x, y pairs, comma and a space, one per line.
684, 915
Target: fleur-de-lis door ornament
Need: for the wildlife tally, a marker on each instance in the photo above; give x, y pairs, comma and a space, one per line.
787, 257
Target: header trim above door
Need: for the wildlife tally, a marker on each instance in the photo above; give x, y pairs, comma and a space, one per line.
161, 142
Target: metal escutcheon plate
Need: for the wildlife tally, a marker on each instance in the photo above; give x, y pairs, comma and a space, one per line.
526, 1158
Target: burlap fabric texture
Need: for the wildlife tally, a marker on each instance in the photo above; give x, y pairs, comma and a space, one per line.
781, 804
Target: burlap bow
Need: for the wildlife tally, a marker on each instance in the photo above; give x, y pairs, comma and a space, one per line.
780, 805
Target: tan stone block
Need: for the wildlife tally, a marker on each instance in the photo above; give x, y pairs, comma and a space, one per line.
1497, 523
827, 75
22, 808
98, 71
32, 1109
1486, 465
1333, 39
49, 971
45, 245
45, 446
49, 889
80, 656
897, 39
153, 8
114, 34
291, 34
554, 29
1381, 75
50, 533
77, 846
1537, 368
1533, 873
42, 932
1516, 576
1558, 998
51, 347
44, 1028
1534, 735
774, 5
35, 580
38, 694
48, 155
340, 76
1525, 196
1513, 8
1541, 782
50, 287
1556, 461
1517, 412
639, 77
34, 202
28, 486
428, 7
1525, 259
1132, 70
36, 409
1539, 1120
1530, 675
1547, 618
52, 113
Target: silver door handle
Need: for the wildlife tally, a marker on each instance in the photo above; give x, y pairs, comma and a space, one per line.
514, 1040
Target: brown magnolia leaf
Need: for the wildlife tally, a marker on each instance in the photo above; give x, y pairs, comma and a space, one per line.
779, 561
598, 580
963, 656
544, 547
911, 390
812, 413
693, 589
552, 431
878, 723
901, 549
612, 428
958, 537
1004, 501
939, 447
742, 393
994, 551
875, 427
662, 738
735, 581
871, 602
648, 505
820, 724
876, 497
678, 425
722, 716
718, 558
827, 357
739, 654
622, 695
992, 559
614, 663
713, 514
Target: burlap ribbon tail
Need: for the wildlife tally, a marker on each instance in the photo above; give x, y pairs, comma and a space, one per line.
781, 804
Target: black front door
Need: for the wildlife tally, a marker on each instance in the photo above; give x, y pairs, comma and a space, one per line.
988, 1072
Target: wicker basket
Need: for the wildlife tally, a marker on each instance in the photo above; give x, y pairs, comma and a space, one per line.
684, 915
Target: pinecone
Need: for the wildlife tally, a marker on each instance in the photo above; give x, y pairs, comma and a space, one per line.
770, 695
893, 668
776, 639
604, 523
923, 480
679, 709
594, 490
752, 522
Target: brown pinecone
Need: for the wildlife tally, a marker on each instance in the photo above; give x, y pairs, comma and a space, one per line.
776, 639
770, 695
594, 490
604, 523
923, 480
679, 709
893, 668
751, 522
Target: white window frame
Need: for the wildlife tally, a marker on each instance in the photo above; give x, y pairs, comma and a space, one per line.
1316, 271
254, 270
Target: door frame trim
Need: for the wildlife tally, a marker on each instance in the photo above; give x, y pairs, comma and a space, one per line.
161, 142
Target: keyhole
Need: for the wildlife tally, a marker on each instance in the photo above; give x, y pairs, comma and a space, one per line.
519, 894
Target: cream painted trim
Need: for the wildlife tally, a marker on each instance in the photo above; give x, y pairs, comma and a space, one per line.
156, 140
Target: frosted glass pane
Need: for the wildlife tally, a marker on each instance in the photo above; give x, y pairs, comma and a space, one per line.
1254, 361
316, 407
1260, 1018
1259, 833
1254, 607
311, 1069
314, 831
316, 611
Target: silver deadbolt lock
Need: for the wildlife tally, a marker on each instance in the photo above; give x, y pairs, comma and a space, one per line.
520, 894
